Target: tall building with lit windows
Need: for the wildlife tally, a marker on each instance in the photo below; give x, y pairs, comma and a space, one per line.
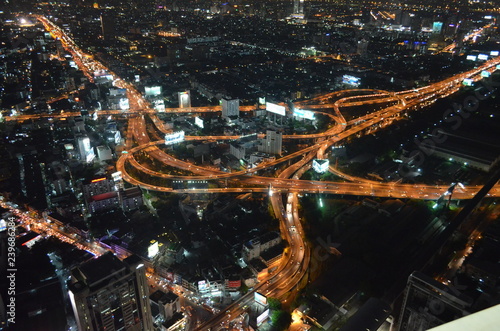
272, 143
109, 294
230, 107
298, 6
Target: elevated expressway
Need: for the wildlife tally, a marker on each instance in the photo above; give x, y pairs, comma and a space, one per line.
294, 265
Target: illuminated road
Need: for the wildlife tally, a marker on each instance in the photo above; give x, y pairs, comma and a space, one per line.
293, 268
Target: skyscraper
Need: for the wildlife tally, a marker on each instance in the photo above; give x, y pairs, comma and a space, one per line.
109, 294
272, 143
87, 153
428, 303
230, 107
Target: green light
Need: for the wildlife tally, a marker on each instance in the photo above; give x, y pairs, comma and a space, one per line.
321, 203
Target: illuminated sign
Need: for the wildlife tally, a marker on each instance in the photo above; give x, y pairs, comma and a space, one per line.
483, 57
498, 66
153, 250
436, 27
467, 82
321, 166
494, 53
124, 104
117, 176
3, 225
260, 298
159, 105
262, 101
485, 73
350, 80
307, 114
198, 122
203, 285
471, 57
174, 138
184, 100
262, 317
153, 91
276, 109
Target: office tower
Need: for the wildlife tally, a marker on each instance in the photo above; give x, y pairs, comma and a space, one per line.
272, 143
109, 294
87, 153
428, 303
230, 107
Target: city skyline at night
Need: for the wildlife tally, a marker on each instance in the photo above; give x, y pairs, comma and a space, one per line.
248, 165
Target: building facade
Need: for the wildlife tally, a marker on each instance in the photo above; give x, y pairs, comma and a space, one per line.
109, 294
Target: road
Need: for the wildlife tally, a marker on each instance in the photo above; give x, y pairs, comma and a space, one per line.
285, 281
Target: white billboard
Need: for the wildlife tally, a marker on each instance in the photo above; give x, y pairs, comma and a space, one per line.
198, 122
203, 285
174, 138
159, 105
483, 57
124, 104
262, 317
276, 109
262, 101
321, 166
260, 298
153, 91
351, 80
485, 73
117, 176
307, 114
494, 53
467, 82
153, 250
472, 57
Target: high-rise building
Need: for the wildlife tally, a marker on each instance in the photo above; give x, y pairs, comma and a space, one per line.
428, 303
230, 107
87, 153
109, 294
272, 143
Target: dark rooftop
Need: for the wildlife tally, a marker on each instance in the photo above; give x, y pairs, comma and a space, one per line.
101, 268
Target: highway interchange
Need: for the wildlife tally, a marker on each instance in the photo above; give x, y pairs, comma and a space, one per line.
287, 184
